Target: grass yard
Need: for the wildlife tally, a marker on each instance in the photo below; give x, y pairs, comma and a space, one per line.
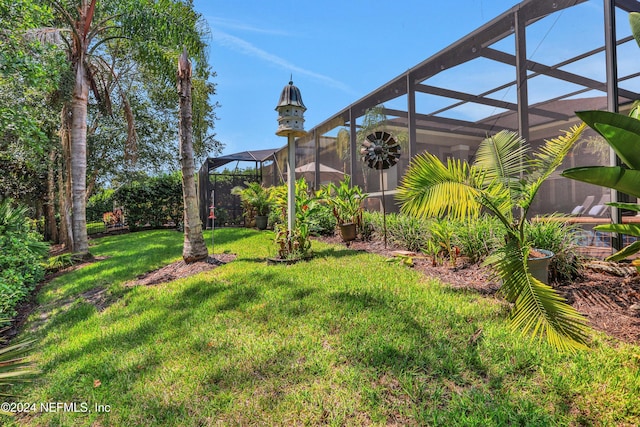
343, 339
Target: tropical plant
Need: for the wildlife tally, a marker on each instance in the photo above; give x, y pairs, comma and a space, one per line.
294, 243
560, 237
14, 366
94, 33
504, 179
345, 201
21, 256
623, 135
477, 237
255, 198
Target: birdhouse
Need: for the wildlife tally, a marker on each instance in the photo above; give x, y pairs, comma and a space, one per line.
290, 112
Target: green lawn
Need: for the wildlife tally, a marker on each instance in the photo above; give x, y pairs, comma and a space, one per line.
343, 339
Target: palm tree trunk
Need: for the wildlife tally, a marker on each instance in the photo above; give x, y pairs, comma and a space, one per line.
51, 228
64, 181
194, 248
79, 159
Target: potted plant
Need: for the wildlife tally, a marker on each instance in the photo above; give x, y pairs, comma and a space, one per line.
256, 202
346, 203
504, 179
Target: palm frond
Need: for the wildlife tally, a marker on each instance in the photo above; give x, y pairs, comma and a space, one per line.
538, 308
503, 157
552, 153
547, 159
429, 188
14, 366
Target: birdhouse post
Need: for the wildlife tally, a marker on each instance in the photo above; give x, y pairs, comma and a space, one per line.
291, 124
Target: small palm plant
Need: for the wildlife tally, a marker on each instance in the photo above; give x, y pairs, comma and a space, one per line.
504, 179
13, 366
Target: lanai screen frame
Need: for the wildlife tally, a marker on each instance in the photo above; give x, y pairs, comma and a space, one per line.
211, 164
478, 44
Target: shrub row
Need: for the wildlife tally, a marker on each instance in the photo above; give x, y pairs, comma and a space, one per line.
475, 239
150, 201
22, 254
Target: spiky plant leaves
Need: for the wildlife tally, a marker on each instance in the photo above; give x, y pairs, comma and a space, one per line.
503, 178
538, 309
433, 189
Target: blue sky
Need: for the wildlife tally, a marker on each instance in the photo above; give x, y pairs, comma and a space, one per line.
337, 52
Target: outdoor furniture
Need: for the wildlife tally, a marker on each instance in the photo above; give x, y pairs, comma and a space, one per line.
581, 209
601, 208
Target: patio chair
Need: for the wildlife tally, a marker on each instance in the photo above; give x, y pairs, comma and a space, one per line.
600, 209
581, 209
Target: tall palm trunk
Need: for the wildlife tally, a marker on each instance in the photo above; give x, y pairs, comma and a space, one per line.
51, 228
78, 135
64, 181
79, 160
194, 248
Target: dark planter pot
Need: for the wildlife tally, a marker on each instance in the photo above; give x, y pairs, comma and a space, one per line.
348, 231
261, 222
539, 267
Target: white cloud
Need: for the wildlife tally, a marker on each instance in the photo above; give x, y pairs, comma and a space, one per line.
246, 48
242, 26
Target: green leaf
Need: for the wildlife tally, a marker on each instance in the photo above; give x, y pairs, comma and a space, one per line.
634, 21
622, 132
628, 206
625, 252
539, 309
629, 229
616, 177
431, 189
626, 144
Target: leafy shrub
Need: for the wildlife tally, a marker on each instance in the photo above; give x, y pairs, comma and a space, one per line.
477, 238
21, 255
98, 204
321, 221
404, 231
559, 238
153, 201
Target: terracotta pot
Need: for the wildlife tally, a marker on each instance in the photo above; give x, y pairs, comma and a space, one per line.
539, 266
348, 231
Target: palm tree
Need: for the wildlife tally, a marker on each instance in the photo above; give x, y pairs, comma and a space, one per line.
504, 179
151, 31
194, 248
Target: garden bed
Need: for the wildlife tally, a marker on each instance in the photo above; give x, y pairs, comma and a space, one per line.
605, 299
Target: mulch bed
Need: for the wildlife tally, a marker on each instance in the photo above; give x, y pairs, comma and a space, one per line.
180, 269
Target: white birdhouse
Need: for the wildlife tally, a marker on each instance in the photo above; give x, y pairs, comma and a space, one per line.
291, 112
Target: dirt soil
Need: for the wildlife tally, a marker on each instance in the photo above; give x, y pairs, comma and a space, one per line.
611, 303
180, 269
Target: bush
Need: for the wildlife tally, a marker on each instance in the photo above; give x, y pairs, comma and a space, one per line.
559, 238
152, 201
402, 230
22, 253
98, 204
321, 221
477, 238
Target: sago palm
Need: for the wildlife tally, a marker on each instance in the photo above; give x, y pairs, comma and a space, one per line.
504, 180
